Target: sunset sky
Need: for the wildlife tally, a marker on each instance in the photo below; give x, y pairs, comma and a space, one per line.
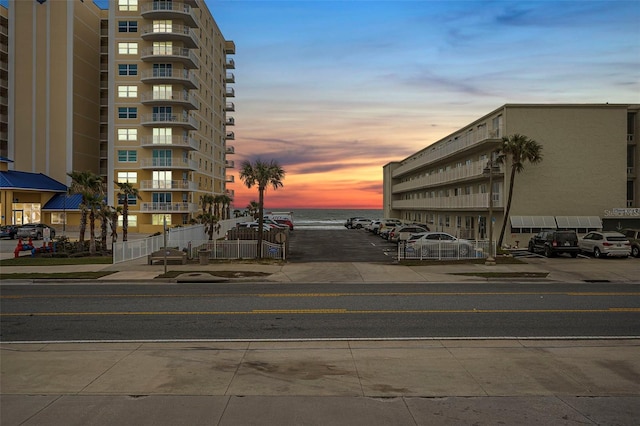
333, 90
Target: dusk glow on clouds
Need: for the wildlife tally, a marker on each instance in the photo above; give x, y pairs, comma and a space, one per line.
334, 90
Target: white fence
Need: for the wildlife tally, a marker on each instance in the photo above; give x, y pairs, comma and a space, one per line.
183, 238
445, 250
238, 249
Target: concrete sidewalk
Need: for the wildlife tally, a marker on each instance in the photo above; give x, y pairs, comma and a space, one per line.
422, 382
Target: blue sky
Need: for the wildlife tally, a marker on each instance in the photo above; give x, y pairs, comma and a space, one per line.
333, 90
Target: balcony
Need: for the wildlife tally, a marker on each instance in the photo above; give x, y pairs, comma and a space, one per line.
230, 150
230, 107
175, 141
168, 207
230, 192
229, 47
183, 99
230, 78
168, 185
230, 136
170, 76
171, 54
461, 202
170, 120
230, 121
171, 32
446, 177
230, 92
230, 179
446, 148
230, 64
168, 163
169, 10
229, 164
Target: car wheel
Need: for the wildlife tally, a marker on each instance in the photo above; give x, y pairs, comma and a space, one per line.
548, 252
635, 251
596, 252
574, 255
531, 248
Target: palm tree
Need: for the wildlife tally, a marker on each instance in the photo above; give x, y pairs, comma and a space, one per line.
209, 217
262, 174
85, 184
516, 150
252, 208
225, 201
93, 204
125, 191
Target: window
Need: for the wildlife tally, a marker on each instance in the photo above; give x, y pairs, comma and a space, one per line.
127, 26
125, 156
162, 48
162, 91
127, 112
132, 220
58, 218
127, 134
127, 91
161, 197
162, 135
130, 177
127, 5
162, 70
127, 69
163, 114
159, 219
162, 26
132, 200
162, 179
128, 48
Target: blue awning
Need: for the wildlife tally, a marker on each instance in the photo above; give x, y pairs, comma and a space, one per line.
25, 181
62, 202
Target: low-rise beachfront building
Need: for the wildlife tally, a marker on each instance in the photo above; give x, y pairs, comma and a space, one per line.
586, 180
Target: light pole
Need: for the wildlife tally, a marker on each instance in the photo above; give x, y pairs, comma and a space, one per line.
490, 169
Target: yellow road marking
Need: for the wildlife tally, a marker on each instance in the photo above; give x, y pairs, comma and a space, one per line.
302, 295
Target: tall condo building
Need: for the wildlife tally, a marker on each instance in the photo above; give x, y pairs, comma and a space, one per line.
139, 92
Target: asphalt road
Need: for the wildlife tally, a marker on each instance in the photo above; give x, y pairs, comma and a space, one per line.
294, 311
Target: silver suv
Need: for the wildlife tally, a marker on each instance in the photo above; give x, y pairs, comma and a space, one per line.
633, 235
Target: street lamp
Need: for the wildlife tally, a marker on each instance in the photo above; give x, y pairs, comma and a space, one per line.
491, 168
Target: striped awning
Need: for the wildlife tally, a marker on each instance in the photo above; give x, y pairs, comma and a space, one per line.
533, 222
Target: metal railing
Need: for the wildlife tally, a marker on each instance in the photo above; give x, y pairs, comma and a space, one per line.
445, 250
238, 249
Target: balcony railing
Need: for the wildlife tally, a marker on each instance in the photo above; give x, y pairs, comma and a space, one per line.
167, 119
180, 54
461, 202
169, 141
182, 76
229, 164
173, 32
230, 78
230, 149
230, 106
168, 163
230, 64
230, 121
229, 47
230, 179
230, 136
160, 10
169, 207
442, 149
172, 185
466, 172
184, 99
230, 92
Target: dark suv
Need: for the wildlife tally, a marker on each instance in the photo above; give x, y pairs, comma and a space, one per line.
633, 235
552, 242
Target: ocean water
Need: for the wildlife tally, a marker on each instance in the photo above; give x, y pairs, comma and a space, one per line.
326, 218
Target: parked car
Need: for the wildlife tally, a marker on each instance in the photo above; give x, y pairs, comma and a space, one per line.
553, 241
606, 243
374, 224
9, 231
35, 231
349, 223
360, 223
402, 233
286, 222
386, 225
633, 235
438, 244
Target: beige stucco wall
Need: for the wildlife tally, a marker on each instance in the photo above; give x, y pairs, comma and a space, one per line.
583, 171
